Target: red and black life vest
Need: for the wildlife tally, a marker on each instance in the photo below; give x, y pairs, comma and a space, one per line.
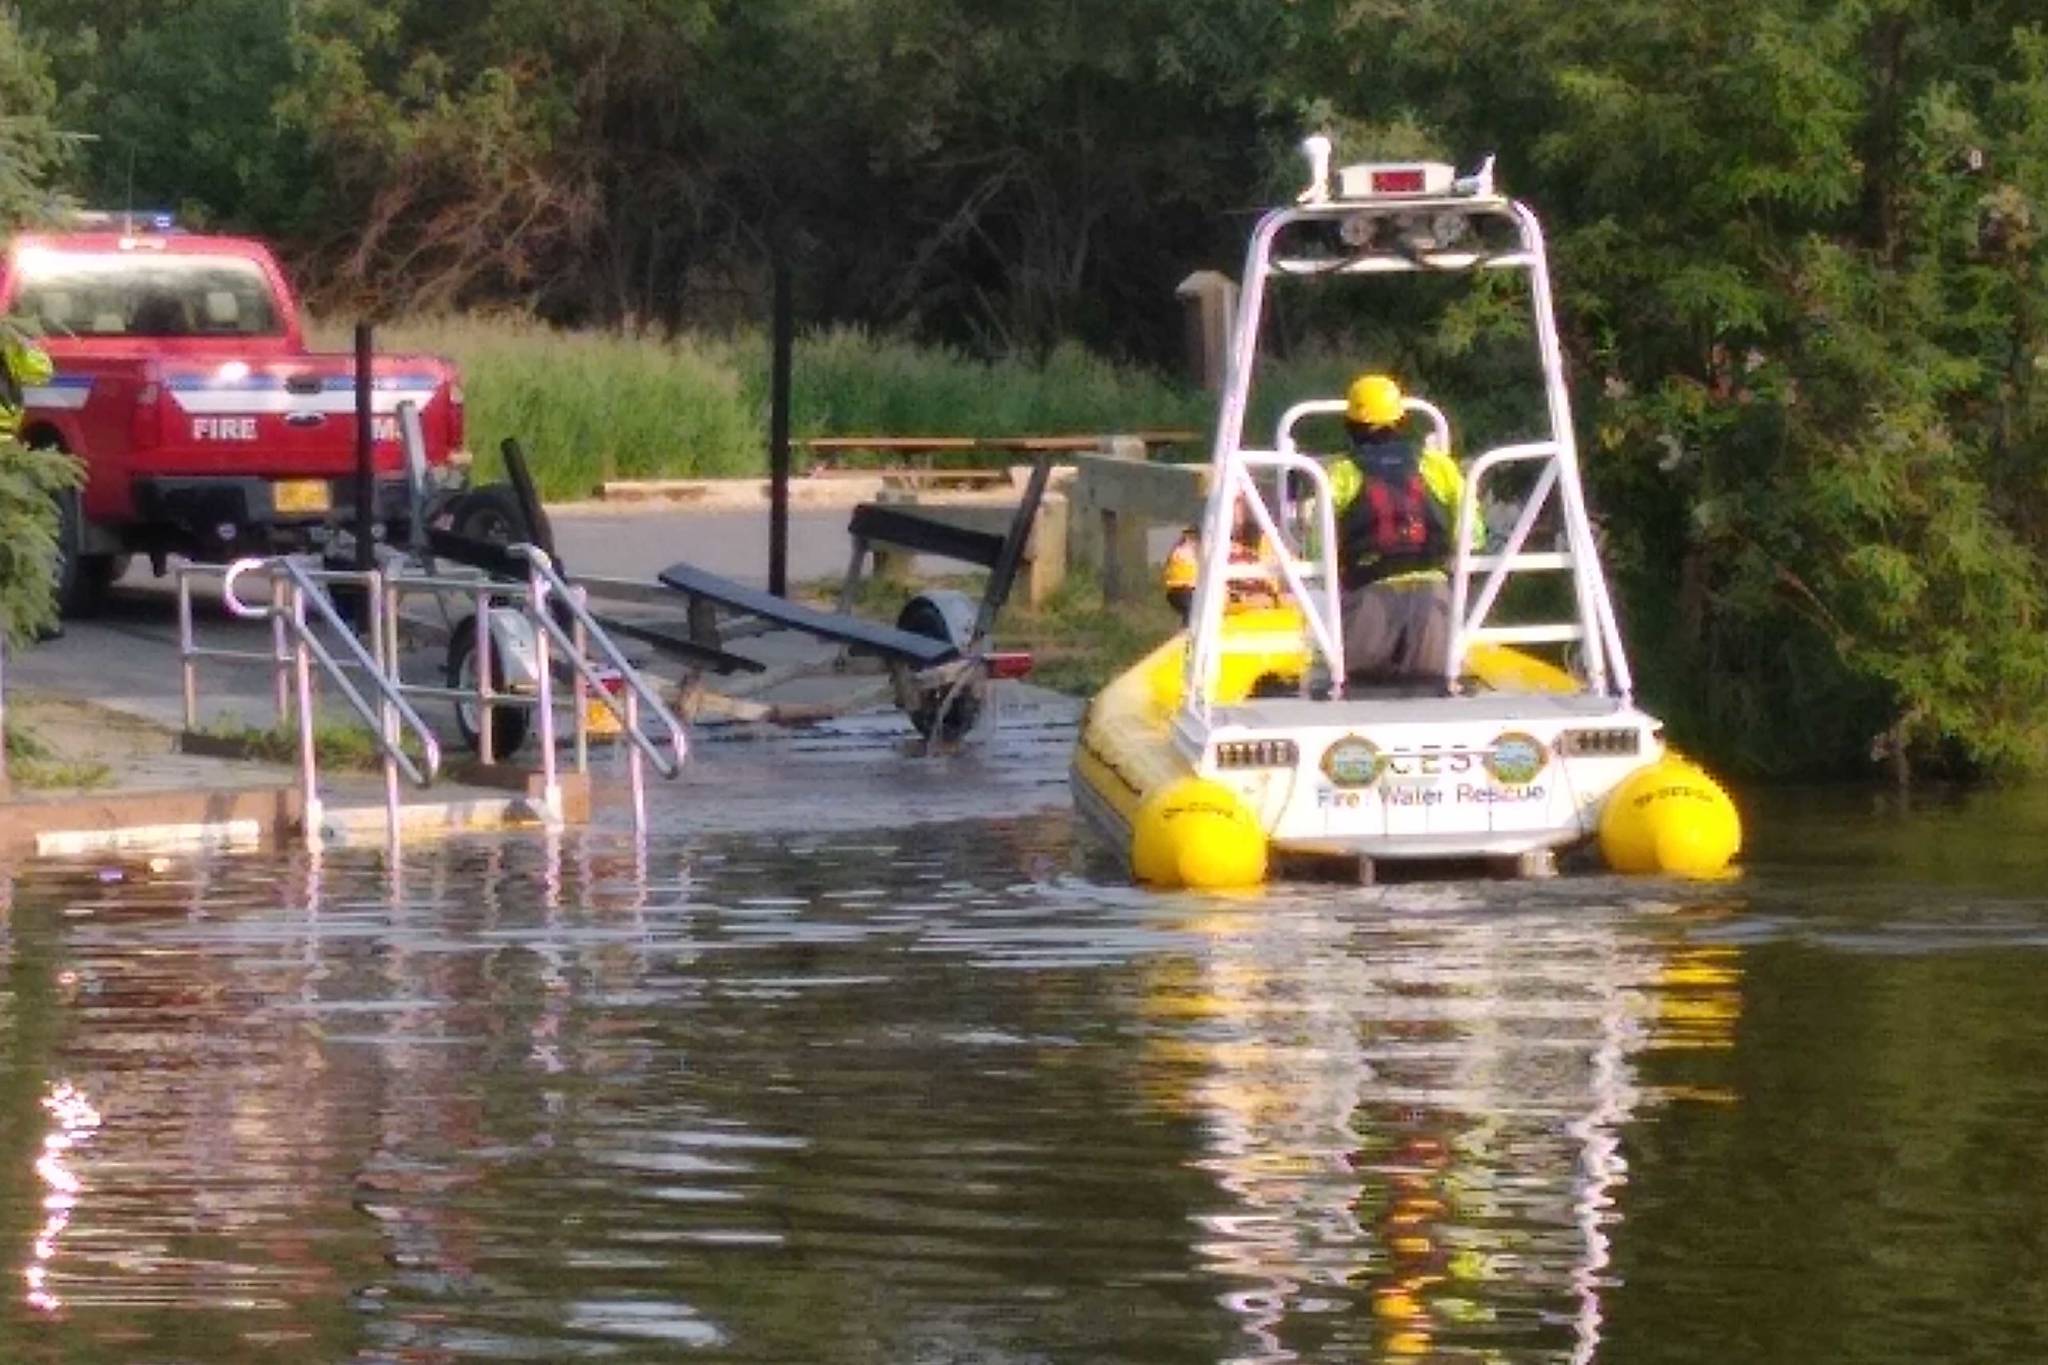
1394, 526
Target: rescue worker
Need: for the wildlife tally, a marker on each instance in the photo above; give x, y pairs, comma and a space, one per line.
1396, 507
1183, 567
23, 365
1248, 546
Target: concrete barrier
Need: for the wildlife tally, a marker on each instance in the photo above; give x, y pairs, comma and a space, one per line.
1096, 518
1045, 554
132, 820
1114, 502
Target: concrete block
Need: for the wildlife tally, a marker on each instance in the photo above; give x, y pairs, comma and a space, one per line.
184, 838
1047, 568
105, 821
1045, 554
1126, 574
1210, 299
524, 780
1113, 506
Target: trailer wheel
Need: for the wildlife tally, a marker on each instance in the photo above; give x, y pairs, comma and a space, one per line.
958, 722
489, 512
942, 617
509, 724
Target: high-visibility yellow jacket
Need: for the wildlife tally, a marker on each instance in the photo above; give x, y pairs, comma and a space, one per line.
28, 365
1183, 565
1183, 569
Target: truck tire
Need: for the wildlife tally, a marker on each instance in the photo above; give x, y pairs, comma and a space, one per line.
82, 579
509, 724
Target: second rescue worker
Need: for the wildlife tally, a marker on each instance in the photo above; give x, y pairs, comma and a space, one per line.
1396, 506
23, 365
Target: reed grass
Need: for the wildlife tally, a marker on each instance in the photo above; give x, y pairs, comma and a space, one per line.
588, 406
597, 405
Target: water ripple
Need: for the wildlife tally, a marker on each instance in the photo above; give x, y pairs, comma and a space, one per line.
864, 1093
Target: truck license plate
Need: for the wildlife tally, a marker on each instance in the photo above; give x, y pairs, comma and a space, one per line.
301, 495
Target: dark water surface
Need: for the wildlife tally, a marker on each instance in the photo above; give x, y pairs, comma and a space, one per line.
891, 1091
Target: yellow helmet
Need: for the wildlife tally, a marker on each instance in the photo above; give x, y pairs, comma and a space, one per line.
1374, 401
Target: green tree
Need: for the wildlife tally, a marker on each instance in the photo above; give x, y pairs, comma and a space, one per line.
30, 481
1801, 277
30, 146
180, 100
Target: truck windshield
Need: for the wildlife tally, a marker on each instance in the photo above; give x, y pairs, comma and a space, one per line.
94, 294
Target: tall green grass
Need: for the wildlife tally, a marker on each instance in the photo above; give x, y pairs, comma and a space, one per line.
852, 382
594, 405
588, 406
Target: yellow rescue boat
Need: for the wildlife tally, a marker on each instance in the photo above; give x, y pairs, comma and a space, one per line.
1240, 743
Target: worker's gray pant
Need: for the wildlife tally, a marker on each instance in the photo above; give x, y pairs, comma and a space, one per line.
1397, 632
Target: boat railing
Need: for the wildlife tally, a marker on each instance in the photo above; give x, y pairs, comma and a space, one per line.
1592, 628
1284, 440
1309, 578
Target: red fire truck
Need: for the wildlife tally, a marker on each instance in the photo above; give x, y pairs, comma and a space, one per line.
184, 383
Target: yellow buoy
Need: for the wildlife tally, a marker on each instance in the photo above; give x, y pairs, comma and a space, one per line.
1670, 817
1197, 833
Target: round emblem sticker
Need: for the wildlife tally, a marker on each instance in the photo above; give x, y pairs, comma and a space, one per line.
1516, 759
1353, 761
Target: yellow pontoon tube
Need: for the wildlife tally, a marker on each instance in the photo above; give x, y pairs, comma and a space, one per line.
1209, 826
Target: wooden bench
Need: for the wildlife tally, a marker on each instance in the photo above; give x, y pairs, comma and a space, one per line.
826, 452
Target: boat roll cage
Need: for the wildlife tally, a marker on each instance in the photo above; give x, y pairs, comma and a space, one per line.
1394, 219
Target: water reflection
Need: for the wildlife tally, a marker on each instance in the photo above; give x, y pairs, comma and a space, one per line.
475, 1114
72, 1123
1408, 1099
289, 1059
938, 1092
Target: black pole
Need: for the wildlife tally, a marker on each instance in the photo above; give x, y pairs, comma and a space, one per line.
778, 435
366, 452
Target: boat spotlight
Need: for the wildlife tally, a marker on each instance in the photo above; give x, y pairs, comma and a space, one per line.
1359, 230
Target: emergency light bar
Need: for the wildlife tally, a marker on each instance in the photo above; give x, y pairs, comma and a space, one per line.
1376, 180
1383, 181
126, 220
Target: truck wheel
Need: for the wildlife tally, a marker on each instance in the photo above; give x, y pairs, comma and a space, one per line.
509, 724
489, 512
82, 579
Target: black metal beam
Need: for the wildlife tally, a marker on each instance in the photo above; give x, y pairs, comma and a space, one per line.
778, 431
366, 450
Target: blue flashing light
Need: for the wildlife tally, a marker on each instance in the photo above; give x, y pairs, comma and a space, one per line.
157, 221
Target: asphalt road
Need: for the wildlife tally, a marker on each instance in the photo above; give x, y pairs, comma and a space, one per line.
639, 544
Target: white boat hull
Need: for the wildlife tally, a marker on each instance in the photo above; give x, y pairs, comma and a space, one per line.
1490, 776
